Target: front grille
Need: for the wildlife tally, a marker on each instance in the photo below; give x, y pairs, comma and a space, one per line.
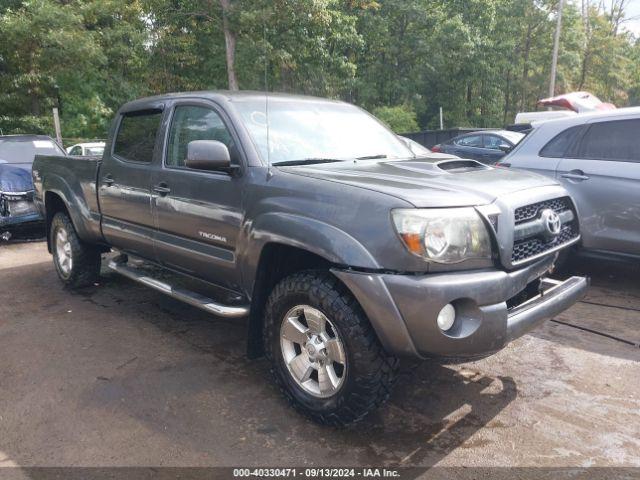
538, 243
529, 212
534, 246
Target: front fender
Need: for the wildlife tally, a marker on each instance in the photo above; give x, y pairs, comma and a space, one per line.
322, 239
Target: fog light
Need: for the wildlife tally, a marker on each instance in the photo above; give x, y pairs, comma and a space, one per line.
446, 317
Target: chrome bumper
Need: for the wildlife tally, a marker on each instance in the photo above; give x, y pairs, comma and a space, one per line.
555, 299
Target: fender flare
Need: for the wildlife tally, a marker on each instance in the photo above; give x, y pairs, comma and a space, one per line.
78, 210
319, 238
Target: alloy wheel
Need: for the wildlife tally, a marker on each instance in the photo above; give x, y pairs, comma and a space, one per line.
313, 351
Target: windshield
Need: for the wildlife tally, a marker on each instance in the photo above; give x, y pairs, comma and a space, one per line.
317, 130
23, 150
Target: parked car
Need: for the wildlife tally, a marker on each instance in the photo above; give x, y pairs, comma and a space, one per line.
345, 250
17, 210
487, 146
597, 159
93, 149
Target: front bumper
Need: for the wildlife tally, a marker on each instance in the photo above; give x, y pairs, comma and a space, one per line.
403, 309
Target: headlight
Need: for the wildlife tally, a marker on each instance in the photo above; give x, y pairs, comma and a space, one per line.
443, 235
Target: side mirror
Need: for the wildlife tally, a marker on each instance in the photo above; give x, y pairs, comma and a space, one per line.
208, 155
505, 148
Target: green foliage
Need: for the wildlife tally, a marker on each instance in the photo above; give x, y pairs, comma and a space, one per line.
482, 61
400, 119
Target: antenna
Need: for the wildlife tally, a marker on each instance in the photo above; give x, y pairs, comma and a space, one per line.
266, 99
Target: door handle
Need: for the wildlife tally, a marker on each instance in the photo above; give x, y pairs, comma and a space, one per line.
162, 189
576, 175
108, 180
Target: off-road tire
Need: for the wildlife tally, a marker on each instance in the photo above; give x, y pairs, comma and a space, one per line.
370, 372
86, 258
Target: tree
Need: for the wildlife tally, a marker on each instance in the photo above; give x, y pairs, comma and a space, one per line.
482, 61
400, 119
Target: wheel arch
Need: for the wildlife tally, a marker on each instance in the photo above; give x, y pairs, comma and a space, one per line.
277, 261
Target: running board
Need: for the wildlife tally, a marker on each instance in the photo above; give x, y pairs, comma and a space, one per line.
186, 296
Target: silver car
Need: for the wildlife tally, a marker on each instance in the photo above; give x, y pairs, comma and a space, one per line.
596, 157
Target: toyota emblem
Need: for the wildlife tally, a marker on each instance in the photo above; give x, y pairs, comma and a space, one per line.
552, 222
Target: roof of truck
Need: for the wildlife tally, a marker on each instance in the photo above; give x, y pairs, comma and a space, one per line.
221, 95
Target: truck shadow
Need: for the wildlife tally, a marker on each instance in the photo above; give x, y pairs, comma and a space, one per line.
434, 410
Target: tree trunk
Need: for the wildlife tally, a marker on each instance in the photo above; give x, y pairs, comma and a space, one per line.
230, 45
35, 104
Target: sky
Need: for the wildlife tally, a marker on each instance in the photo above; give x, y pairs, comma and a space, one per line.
633, 10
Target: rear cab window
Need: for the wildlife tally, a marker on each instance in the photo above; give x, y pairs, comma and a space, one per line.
136, 137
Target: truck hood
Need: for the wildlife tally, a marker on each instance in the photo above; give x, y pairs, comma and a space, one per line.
15, 177
429, 182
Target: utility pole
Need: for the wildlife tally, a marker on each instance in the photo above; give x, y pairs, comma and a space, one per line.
556, 47
56, 124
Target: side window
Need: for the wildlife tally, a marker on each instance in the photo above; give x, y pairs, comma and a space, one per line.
494, 142
76, 151
136, 136
195, 123
559, 146
618, 140
470, 141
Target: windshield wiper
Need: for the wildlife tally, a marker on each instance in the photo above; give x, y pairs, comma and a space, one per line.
307, 161
372, 157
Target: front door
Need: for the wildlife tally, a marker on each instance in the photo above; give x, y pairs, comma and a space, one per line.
198, 213
124, 184
603, 177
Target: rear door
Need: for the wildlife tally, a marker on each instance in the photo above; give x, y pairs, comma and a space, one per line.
602, 173
198, 213
124, 183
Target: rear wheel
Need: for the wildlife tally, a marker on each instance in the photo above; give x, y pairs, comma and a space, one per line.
324, 354
77, 263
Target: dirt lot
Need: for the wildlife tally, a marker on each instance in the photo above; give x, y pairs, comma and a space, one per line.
121, 375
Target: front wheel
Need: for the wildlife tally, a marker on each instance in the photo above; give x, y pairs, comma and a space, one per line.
77, 263
324, 354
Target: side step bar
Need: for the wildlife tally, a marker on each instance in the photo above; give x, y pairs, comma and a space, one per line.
186, 296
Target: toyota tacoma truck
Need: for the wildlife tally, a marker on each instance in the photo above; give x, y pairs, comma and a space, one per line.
345, 250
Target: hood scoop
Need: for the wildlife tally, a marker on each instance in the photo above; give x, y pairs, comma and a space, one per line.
461, 166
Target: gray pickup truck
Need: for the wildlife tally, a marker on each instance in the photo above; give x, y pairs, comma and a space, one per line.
344, 249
